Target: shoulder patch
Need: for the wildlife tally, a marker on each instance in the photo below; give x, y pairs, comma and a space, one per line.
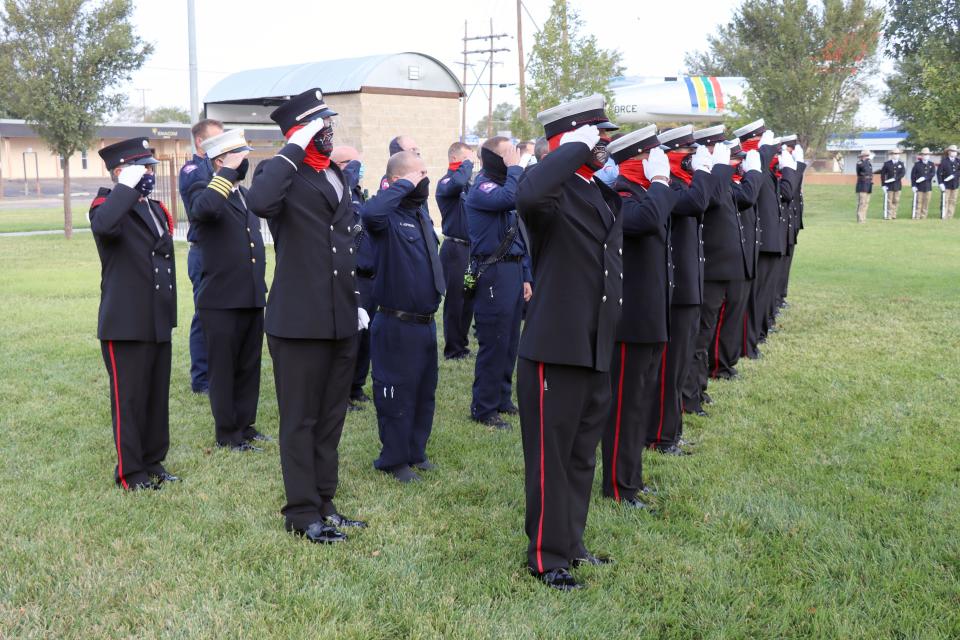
487, 187
384, 184
99, 200
188, 168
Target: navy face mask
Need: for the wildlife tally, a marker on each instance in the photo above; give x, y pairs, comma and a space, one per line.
145, 186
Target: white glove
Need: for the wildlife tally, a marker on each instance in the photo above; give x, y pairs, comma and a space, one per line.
943, 187
131, 175
721, 154
921, 179
656, 165
884, 187
798, 153
363, 320
786, 160
588, 134
303, 137
752, 161
914, 189
766, 138
702, 160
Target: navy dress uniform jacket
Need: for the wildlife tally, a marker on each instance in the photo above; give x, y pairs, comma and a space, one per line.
921, 176
138, 284
234, 258
450, 191
490, 210
647, 262
948, 173
313, 295
891, 174
771, 210
579, 282
195, 170
687, 236
725, 250
864, 176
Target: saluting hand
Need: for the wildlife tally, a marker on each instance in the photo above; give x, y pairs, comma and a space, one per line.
130, 175
798, 153
752, 161
414, 177
656, 166
721, 154
767, 138
786, 160
588, 134
303, 137
233, 160
511, 157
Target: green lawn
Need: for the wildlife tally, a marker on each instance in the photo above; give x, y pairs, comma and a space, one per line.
41, 218
822, 501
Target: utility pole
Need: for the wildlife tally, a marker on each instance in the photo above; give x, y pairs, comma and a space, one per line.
523, 67
488, 51
192, 48
143, 103
463, 117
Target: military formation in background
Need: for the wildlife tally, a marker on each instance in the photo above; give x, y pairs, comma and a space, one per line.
923, 175
616, 274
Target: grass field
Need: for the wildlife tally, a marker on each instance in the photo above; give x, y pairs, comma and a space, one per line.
822, 501
40, 218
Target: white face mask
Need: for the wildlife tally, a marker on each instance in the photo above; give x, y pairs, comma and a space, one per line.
925, 158
895, 158
952, 154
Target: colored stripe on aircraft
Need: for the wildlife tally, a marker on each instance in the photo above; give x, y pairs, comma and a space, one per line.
690, 90
701, 93
717, 91
708, 89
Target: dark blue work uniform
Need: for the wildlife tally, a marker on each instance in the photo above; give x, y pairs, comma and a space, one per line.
351, 173
403, 335
196, 170
498, 304
454, 256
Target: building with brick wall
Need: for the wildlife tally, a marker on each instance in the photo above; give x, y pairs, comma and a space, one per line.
376, 97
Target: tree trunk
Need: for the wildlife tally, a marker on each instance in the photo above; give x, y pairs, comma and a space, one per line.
67, 210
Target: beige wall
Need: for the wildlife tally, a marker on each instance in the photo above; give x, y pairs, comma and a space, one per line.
49, 162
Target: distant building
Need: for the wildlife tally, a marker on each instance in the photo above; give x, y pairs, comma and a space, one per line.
377, 97
848, 147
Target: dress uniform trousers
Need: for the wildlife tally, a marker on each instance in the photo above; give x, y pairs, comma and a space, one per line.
636, 401
405, 375
730, 336
457, 308
234, 341
684, 320
765, 284
498, 311
362, 367
893, 203
312, 379
139, 404
562, 414
198, 347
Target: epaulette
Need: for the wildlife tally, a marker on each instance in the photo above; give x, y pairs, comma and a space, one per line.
102, 194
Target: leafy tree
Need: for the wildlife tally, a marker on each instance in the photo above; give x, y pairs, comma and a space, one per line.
61, 59
160, 114
503, 114
805, 63
564, 64
924, 91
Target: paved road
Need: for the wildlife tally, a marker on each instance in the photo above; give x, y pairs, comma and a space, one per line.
51, 232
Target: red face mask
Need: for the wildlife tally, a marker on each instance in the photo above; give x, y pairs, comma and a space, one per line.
453, 166
632, 170
586, 171
313, 158
752, 144
775, 166
676, 159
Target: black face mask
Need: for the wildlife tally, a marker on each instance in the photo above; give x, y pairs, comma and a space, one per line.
323, 141
242, 170
419, 195
599, 155
493, 166
687, 163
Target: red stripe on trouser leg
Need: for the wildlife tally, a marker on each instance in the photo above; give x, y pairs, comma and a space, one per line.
116, 401
663, 389
616, 431
716, 342
542, 479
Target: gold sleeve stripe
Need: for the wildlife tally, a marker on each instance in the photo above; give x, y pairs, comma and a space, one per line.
221, 186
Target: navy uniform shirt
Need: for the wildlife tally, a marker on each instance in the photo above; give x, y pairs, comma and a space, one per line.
196, 169
491, 210
401, 238
449, 193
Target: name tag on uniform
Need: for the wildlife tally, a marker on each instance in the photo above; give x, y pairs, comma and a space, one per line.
407, 224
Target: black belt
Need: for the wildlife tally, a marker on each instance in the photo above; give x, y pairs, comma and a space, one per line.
406, 316
457, 240
508, 258
363, 273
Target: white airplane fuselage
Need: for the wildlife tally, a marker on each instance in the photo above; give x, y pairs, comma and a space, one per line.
685, 99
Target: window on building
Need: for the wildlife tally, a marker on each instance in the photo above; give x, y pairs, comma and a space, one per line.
413, 72
83, 158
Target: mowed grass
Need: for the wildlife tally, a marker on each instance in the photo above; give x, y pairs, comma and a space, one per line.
822, 501
40, 218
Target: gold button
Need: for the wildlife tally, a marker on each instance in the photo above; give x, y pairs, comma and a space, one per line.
253, 260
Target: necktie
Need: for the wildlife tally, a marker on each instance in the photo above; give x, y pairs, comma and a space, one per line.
426, 228
161, 224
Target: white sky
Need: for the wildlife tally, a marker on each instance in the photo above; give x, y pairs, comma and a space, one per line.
247, 34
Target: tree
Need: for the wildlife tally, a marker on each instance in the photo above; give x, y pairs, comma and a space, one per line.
503, 115
805, 63
160, 114
61, 59
924, 91
564, 64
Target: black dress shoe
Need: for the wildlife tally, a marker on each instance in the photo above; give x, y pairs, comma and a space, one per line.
260, 437
353, 406
495, 422
242, 447
592, 560
685, 443
166, 476
144, 486
360, 397
635, 503
558, 578
511, 410
201, 391
706, 398
694, 412
319, 533
649, 491
426, 465
463, 355
402, 473
340, 522
672, 450
701, 413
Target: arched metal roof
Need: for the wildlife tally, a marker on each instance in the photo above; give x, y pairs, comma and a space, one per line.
408, 71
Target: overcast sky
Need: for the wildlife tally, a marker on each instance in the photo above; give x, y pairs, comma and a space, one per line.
249, 34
